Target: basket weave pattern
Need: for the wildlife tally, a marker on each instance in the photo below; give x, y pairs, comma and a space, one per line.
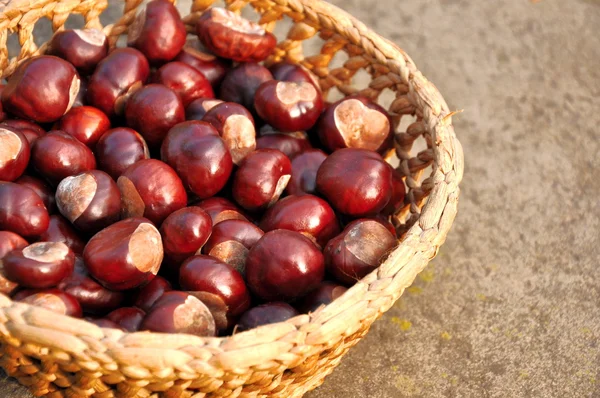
61, 356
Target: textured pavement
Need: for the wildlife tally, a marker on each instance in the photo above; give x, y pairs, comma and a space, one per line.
511, 305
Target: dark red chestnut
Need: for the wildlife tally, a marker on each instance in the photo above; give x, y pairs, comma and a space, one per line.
288, 72
30, 130
59, 230
116, 77
199, 156
221, 209
261, 179
325, 294
42, 89
128, 318
230, 242
179, 312
158, 32
185, 80
124, 255
91, 200
215, 278
184, 233
198, 108
151, 189
284, 265
41, 188
307, 214
211, 67
105, 323
58, 155
266, 314
288, 106
398, 193
356, 182
228, 35
83, 48
118, 149
22, 211
147, 295
39, 265
240, 84
152, 111
356, 122
14, 153
236, 126
358, 250
85, 123
54, 300
291, 144
9, 241
304, 172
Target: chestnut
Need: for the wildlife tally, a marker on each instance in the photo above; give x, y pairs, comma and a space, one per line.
236, 126
124, 255
304, 172
58, 155
14, 153
221, 209
198, 108
230, 242
90, 200
219, 281
80, 99
128, 318
289, 72
291, 144
240, 84
288, 106
356, 122
59, 230
42, 89
147, 295
9, 241
118, 149
22, 211
284, 265
307, 214
54, 300
358, 250
158, 32
85, 123
261, 179
41, 188
116, 77
356, 182
199, 156
184, 233
29, 129
179, 312
186, 81
152, 111
231, 36
83, 48
39, 265
211, 67
266, 314
325, 294
398, 193
155, 197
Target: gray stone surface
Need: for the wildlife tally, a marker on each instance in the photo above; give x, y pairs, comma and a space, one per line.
510, 307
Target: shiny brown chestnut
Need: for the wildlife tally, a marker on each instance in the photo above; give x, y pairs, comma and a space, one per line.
284, 265
116, 77
356, 182
358, 250
158, 32
185, 80
261, 179
154, 198
199, 156
221, 209
152, 111
288, 106
85, 123
59, 230
355, 122
211, 67
118, 149
179, 312
291, 144
83, 48
90, 200
288, 72
228, 35
9, 241
198, 108
42, 189
147, 295
29, 129
240, 84
54, 77
22, 211
398, 193
14, 153
304, 172
325, 294
307, 214
266, 314
39, 265
184, 233
124, 255
128, 318
53, 300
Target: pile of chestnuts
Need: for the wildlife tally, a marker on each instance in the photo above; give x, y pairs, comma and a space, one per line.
178, 185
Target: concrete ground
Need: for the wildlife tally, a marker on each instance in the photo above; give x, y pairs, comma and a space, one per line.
511, 306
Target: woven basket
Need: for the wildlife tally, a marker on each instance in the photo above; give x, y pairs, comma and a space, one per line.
61, 356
